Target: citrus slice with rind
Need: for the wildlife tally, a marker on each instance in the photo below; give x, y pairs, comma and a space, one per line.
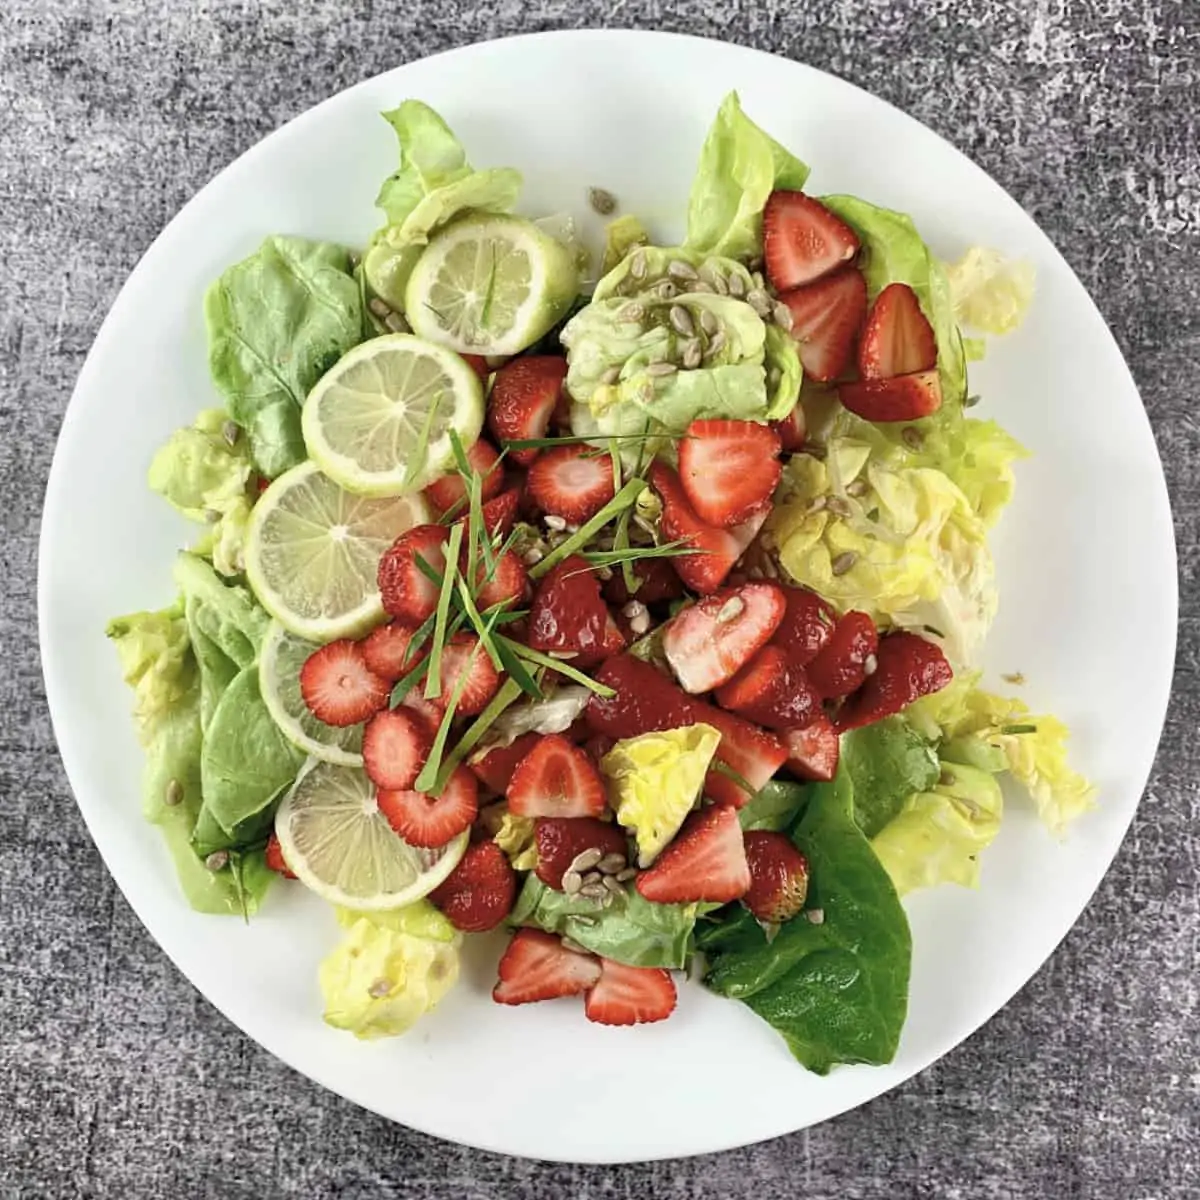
337, 842
313, 550
378, 422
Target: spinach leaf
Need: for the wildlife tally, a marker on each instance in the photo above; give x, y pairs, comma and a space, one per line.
277, 321
887, 762
774, 806
837, 992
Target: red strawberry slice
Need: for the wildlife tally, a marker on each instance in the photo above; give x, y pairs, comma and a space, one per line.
792, 430
907, 667
745, 748
569, 616
813, 751
718, 549
338, 686
385, 650
274, 860
495, 767
772, 691
708, 643
705, 861
728, 469
572, 482
537, 966
479, 365
803, 240
424, 820
826, 318
778, 877
499, 515
407, 592
508, 585
463, 652
556, 779
524, 395
430, 713
806, 626
841, 666
656, 580
451, 489
898, 338
479, 893
904, 398
395, 745
630, 995
561, 840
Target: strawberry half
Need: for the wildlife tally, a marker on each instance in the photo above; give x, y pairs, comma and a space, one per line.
718, 549
826, 318
705, 861
572, 482
464, 652
708, 643
508, 585
274, 860
812, 752
395, 745
537, 966
561, 840
524, 395
728, 469
556, 779
338, 686
792, 430
753, 752
803, 240
630, 995
569, 616
494, 768
841, 666
424, 820
407, 592
656, 580
772, 691
479, 365
806, 626
479, 893
451, 489
499, 515
898, 338
907, 667
385, 651
429, 713
778, 877
904, 398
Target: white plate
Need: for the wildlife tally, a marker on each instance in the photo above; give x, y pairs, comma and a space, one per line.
1085, 556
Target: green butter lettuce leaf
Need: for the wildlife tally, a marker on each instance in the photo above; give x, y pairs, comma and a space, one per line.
621, 237
277, 321
784, 373
774, 806
630, 929
430, 157
990, 292
740, 166
836, 991
887, 762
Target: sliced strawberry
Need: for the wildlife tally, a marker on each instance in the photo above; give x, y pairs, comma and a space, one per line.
813, 751
745, 748
524, 395
463, 652
905, 398
495, 767
806, 626
406, 590
759, 680
841, 666
656, 580
500, 514
792, 430
537, 966
395, 745
705, 861
772, 691
630, 995
338, 686
479, 365
385, 650
898, 338
274, 860
451, 489
728, 469
508, 586
778, 877
568, 615
826, 318
718, 549
561, 840
431, 714
556, 779
803, 240
907, 667
479, 893
572, 482
424, 820
709, 642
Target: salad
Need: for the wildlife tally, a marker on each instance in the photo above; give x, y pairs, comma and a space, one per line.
630, 610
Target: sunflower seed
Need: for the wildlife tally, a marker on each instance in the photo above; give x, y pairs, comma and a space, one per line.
379, 988
732, 608
230, 432
912, 437
396, 323
555, 522
756, 275
569, 943
838, 506
702, 285
761, 303
218, 860
637, 264
716, 343
611, 376
843, 563
640, 624
737, 285
691, 354
681, 320
604, 574
720, 284
774, 375
174, 794
380, 308
631, 313
595, 891
611, 864
816, 916
634, 608
587, 859
660, 370
666, 290
709, 321
870, 664
678, 269
533, 555
626, 875
572, 881
602, 201
613, 886
856, 487
212, 516
646, 393
817, 503
971, 401
783, 316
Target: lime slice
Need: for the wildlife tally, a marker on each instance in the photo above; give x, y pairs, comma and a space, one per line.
378, 422
490, 285
312, 551
338, 843
279, 663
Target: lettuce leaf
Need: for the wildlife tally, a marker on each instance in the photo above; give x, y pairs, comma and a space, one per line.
621, 237
887, 762
773, 807
989, 291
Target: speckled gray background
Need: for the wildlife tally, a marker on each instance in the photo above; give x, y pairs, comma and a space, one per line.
116, 1078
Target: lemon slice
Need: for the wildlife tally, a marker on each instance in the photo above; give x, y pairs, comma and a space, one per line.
490, 285
378, 422
313, 549
279, 663
338, 843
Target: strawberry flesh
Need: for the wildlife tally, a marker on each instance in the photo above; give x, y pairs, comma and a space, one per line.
718, 549
841, 666
745, 748
428, 821
451, 489
704, 862
806, 626
772, 691
494, 768
778, 877
813, 751
500, 514
656, 581
406, 590
572, 482
385, 650
395, 745
561, 840
897, 339
569, 616
463, 652
826, 318
556, 779
728, 469
524, 395
338, 686
630, 995
537, 966
803, 240
508, 585
907, 667
792, 431
274, 860
904, 398
479, 893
